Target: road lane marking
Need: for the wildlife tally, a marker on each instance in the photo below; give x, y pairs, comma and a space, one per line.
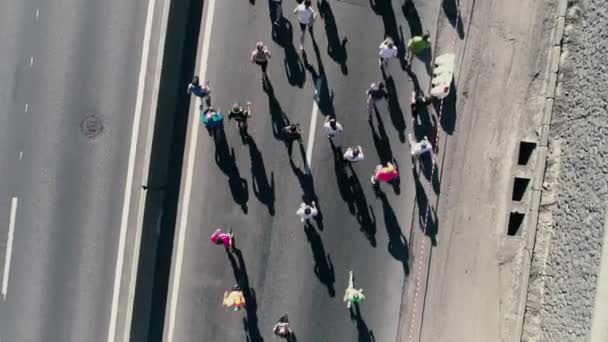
37, 13
130, 171
20, 155
143, 198
9, 246
26, 107
188, 181
311, 133
31, 61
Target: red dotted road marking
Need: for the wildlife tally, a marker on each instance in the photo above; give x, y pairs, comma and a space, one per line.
422, 249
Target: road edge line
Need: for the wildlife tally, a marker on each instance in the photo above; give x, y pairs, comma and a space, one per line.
183, 219
9, 245
130, 171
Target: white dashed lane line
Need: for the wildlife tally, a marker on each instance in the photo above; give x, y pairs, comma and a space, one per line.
9, 246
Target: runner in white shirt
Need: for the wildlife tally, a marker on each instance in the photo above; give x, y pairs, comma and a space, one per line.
332, 127
354, 154
306, 212
388, 51
418, 148
306, 17
260, 56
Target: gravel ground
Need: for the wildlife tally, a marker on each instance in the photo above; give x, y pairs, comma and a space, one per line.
567, 254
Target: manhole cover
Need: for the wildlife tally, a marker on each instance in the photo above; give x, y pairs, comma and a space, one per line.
91, 126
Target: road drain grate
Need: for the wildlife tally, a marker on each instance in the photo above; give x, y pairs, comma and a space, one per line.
91, 126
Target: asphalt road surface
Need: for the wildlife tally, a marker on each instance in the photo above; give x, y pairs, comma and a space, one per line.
252, 188
63, 62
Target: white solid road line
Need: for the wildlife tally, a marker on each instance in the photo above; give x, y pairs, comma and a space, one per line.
37, 13
311, 133
181, 229
129, 181
9, 246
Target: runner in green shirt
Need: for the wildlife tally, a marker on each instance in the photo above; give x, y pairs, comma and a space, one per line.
240, 115
418, 44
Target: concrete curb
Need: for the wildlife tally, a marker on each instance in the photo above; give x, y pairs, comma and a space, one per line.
551, 76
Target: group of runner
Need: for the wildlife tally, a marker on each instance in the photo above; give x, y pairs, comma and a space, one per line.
385, 172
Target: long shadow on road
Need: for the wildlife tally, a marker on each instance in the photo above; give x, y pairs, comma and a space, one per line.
364, 333
323, 95
397, 243
224, 158
336, 48
263, 189
242, 279
282, 34
323, 268
351, 191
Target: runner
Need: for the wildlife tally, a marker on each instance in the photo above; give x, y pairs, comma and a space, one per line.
375, 93
234, 299
417, 44
306, 17
306, 212
201, 91
352, 295
388, 51
418, 148
417, 102
220, 238
354, 154
291, 133
240, 115
281, 329
386, 172
332, 127
260, 56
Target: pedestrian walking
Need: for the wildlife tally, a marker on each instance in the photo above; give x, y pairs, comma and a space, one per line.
388, 51
306, 212
332, 127
306, 17
375, 93
417, 44
260, 56
354, 154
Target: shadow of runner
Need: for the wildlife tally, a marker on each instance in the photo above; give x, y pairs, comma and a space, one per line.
394, 108
277, 115
336, 48
364, 333
364, 212
450, 8
225, 160
242, 279
262, 188
381, 140
282, 34
448, 115
323, 96
324, 268
413, 19
397, 243
429, 224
